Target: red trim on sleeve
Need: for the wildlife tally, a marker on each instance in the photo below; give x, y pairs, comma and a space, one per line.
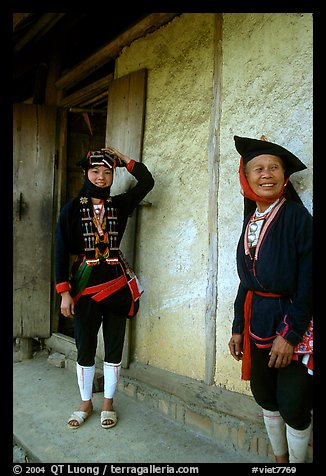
63, 287
130, 165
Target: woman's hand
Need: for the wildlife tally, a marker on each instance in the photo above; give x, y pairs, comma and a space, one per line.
67, 304
281, 353
236, 346
121, 157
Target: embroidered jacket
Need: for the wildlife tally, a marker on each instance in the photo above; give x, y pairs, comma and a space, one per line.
74, 235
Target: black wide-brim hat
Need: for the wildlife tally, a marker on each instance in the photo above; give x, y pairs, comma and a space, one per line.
250, 148
95, 158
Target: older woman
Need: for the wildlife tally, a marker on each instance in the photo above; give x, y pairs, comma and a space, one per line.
272, 326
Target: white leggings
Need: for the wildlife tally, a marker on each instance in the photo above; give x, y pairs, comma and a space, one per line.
85, 377
285, 439
111, 378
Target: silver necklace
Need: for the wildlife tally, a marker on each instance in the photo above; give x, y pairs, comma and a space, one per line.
256, 225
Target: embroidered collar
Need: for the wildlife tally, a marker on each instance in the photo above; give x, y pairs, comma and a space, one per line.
268, 220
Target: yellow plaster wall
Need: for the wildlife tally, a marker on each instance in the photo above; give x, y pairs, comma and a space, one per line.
169, 331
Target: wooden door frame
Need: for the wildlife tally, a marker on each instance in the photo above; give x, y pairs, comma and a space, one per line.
125, 131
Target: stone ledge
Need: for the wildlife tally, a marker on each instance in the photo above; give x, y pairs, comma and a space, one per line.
195, 393
232, 419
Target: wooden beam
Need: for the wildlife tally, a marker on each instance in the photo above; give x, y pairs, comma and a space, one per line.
18, 18
213, 171
44, 24
87, 92
91, 110
112, 50
98, 99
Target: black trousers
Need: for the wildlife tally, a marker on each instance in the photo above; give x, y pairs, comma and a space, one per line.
288, 390
89, 315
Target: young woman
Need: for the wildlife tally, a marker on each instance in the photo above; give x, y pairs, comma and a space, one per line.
100, 288
272, 326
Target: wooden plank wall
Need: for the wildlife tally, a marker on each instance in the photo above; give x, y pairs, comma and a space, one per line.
34, 140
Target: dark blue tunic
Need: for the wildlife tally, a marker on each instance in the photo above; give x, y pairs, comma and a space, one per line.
283, 266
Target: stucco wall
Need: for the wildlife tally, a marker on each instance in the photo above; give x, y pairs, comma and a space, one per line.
172, 236
266, 88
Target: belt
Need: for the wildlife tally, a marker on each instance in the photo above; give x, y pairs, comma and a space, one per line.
271, 295
101, 291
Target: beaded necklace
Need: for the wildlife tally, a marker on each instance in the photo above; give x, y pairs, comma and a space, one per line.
98, 217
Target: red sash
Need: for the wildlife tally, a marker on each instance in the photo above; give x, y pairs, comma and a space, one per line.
246, 358
101, 291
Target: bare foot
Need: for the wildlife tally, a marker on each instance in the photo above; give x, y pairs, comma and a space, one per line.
85, 406
107, 405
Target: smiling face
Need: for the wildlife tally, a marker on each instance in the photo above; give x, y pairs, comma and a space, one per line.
100, 176
265, 175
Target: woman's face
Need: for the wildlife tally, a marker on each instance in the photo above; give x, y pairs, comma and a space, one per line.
265, 175
100, 176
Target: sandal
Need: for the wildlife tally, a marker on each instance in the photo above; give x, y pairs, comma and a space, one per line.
80, 417
108, 415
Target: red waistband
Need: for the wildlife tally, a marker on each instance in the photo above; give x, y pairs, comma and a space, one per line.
101, 291
273, 295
